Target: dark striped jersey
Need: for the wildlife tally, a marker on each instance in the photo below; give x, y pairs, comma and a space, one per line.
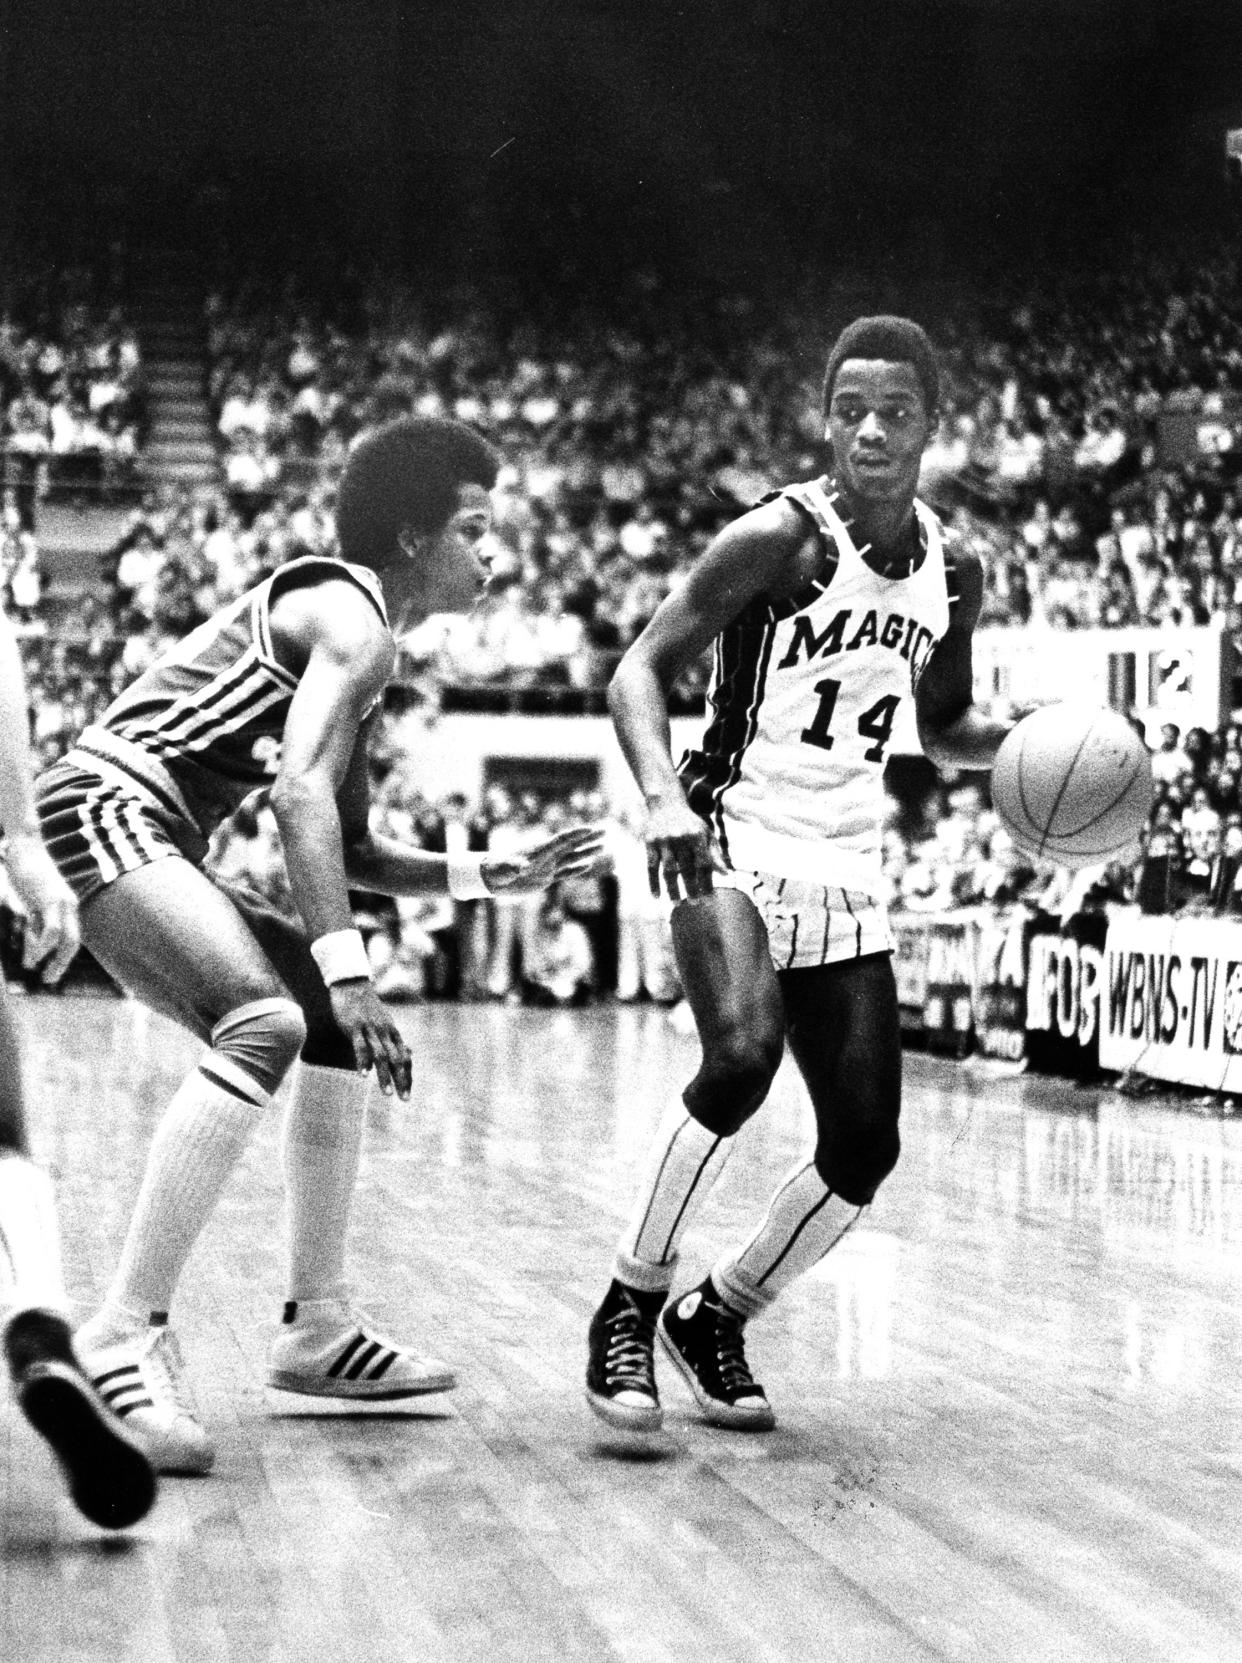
803, 699
202, 727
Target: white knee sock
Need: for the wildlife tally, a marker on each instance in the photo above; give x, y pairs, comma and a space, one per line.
321, 1149
30, 1269
804, 1221
684, 1162
197, 1144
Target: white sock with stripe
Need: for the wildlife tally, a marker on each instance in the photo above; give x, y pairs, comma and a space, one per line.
321, 1150
804, 1221
29, 1241
684, 1162
197, 1144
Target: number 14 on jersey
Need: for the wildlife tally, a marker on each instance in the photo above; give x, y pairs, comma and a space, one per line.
875, 724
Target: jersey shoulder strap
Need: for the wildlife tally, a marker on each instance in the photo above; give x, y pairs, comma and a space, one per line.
935, 536
308, 569
807, 497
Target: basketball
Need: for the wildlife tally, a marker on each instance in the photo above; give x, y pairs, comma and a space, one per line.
1072, 784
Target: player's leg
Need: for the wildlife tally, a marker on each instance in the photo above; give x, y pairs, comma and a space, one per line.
325, 1346
723, 957
843, 1029
109, 1476
168, 935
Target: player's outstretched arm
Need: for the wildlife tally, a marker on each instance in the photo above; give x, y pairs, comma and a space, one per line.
953, 731
748, 558
52, 930
569, 854
387, 866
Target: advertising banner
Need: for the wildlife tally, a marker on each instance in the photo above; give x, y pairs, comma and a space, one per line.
1171, 999
1063, 987
913, 937
1001, 951
949, 1006
1167, 675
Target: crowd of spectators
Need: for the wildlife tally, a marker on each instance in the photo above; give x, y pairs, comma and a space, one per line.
73, 404
1088, 450
1089, 447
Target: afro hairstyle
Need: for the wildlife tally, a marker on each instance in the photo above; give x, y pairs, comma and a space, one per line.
895, 340
405, 475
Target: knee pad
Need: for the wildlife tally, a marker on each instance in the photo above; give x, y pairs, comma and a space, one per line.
262, 1038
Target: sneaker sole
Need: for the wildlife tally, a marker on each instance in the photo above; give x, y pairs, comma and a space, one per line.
110, 1479
360, 1391
174, 1462
715, 1412
626, 1417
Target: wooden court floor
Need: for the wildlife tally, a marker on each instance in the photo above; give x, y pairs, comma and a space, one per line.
1010, 1406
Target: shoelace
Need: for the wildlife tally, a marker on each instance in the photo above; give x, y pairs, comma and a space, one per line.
735, 1375
163, 1359
630, 1344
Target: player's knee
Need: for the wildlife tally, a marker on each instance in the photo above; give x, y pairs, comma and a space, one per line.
262, 1038
737, 1071
855, 1164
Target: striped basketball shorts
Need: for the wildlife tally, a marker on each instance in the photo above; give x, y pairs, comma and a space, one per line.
810, 924
99, 822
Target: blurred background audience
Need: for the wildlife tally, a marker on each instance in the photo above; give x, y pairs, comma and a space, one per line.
1089, 450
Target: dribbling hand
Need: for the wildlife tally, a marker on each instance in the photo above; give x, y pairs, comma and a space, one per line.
363, 1017
52, 935
680, 849
570, 854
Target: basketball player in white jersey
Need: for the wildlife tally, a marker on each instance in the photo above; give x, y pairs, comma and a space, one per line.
826, 606
109, 1476
278, 689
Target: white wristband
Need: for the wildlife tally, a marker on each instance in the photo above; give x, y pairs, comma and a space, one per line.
341, 956
465, 878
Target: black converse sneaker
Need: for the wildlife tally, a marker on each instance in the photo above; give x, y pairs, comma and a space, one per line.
703, 1338
620, 1381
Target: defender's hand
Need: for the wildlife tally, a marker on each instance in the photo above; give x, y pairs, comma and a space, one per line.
681, 848
52, 935
364, 1018
570, 854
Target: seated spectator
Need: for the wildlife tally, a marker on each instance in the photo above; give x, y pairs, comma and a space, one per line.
645, 962
557, 964
1171, 761
411, 953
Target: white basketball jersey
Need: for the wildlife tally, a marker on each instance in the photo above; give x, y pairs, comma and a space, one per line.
802, 702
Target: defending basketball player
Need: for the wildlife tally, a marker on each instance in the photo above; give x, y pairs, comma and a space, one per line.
109, 1477
827, 607
303, 661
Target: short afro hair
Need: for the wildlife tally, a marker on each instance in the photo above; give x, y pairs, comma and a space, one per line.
406, 475
897, 341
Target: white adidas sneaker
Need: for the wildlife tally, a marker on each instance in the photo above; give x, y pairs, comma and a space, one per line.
138, 1376
327, 1349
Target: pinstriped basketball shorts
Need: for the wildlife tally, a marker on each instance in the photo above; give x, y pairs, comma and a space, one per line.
98, 825
810, 924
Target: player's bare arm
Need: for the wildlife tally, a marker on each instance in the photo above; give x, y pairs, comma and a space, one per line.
953, 731
348, 658
388, 867
762, 553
